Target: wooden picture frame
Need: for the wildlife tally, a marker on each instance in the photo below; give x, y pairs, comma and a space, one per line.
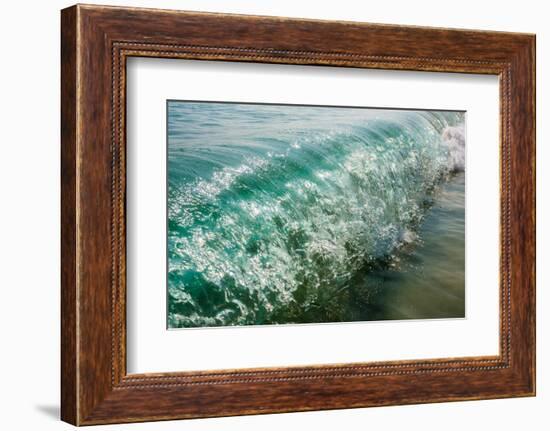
95, 43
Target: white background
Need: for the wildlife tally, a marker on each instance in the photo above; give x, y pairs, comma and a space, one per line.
151, 348
29, 216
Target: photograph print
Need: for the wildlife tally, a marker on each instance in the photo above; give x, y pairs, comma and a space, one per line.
297, 214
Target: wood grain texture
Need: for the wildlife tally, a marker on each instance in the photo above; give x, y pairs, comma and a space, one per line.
96, 41
69, 397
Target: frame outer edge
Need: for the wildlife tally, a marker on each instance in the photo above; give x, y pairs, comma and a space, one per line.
532, 126
533, 53
69, 304
523, 216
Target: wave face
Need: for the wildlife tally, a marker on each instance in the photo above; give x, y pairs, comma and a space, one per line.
273, 210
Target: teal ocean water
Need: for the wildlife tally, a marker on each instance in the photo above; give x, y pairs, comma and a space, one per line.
297, 214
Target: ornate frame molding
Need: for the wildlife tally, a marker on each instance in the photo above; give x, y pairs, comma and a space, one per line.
96, 41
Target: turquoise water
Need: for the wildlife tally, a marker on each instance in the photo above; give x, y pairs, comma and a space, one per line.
299, 214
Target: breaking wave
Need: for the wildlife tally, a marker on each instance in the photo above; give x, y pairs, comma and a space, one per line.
266, 224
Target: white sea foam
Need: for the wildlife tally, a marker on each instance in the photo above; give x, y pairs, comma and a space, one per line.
454, 138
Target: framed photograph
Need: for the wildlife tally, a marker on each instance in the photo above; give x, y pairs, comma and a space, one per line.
265, 214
